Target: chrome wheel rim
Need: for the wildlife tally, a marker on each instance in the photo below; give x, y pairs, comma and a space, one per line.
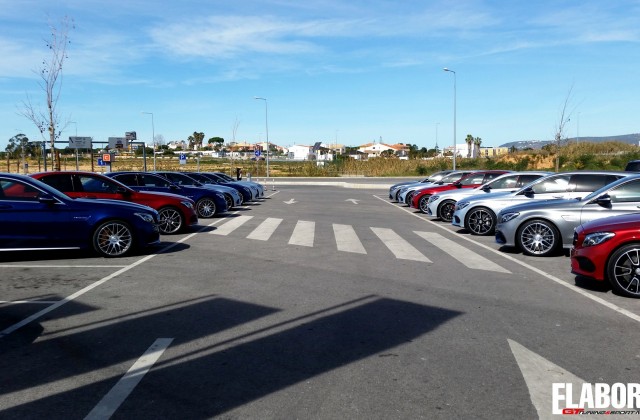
114, 239
229, 201
446, 211
538, 238
170, 221
626, 272
480, 222
206, 208
424, 204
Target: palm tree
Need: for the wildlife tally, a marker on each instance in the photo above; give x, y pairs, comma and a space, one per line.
469, 141
476, 143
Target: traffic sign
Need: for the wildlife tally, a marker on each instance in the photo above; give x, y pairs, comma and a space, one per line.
80, 142
101, 162
257, 152
106, 157
183, 159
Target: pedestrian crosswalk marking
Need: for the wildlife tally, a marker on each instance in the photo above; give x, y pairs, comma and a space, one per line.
347, 240
402, 249
467, 257
231, 225
303, 234
264, 231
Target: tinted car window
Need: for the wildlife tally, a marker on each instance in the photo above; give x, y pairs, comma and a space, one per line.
589, 183
633, 165
16, 190
95, 185
552, 185
61, 182
628, 192
506, 182
488, 177
154, 181
127, 179
526, 179
472, 179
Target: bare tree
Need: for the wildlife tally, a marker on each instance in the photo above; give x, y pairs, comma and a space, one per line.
565, 115
50, 74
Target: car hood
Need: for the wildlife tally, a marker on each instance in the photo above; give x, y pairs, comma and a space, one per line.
613, 223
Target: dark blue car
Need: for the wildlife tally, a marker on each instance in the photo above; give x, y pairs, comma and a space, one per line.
208, 202
35, 216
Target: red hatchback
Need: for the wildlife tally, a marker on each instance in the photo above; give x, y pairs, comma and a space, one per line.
609, 249
176, 212
421, 198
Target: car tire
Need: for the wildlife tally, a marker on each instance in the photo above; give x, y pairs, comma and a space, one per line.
423, 203
206, 207
538, 238
113, 239
229, 199
446, 209
623, 270
408, 198
480, 221
171, 220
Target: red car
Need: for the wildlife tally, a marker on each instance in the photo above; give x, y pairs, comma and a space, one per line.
421, 198
176, 212
609, 249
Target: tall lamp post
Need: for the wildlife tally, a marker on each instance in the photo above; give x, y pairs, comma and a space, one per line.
454, 116
266, 125
153, 138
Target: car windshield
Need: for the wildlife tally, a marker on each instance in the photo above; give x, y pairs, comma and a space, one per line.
453, 177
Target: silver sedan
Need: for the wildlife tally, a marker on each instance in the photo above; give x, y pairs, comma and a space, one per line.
541, 228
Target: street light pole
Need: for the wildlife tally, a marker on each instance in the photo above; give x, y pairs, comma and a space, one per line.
266, 125
454, 116
77, 163
153, 140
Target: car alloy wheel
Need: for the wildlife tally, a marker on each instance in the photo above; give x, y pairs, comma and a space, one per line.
480, 221
112, 239
206, 207
408, 198
623, 270
538, 238
229, 201
423, 204
446, 209
170, 220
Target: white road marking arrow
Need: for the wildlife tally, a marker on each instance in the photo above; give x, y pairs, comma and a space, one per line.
353, 200
292, 201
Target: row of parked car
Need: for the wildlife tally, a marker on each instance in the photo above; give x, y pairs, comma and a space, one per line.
114, 213
595, 214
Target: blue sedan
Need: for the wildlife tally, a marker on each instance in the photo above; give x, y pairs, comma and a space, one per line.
35, 216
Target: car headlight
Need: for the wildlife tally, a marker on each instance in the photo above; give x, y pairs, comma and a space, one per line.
433, 198
504, 218
187, 204
145, 216
597, 238
462, 204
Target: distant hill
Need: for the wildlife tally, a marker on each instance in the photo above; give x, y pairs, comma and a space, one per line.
537, 144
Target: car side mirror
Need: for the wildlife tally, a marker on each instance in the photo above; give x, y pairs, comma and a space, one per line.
46, 199
528, 192
123, 191
486, 188
604, 200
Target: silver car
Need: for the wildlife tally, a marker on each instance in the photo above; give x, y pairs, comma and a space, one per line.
442, 205
394, 190
541, 228
478, 214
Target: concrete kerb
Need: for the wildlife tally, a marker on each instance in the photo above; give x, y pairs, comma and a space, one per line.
344, 184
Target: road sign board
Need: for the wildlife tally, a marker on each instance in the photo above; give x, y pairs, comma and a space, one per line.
257, 152
117, 142
106, 157
80, 142
183, 159
101, 162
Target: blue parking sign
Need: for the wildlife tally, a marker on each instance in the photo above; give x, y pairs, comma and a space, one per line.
183, 159
257, 152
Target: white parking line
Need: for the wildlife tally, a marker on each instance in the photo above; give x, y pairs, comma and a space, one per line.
231, 225
303, 234
264, 231
347, 240
120, 391
402, 249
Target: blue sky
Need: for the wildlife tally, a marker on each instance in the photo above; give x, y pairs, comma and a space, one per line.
347, 71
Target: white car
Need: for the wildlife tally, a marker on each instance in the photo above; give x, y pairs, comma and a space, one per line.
477, 214
441, 205
407, 192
